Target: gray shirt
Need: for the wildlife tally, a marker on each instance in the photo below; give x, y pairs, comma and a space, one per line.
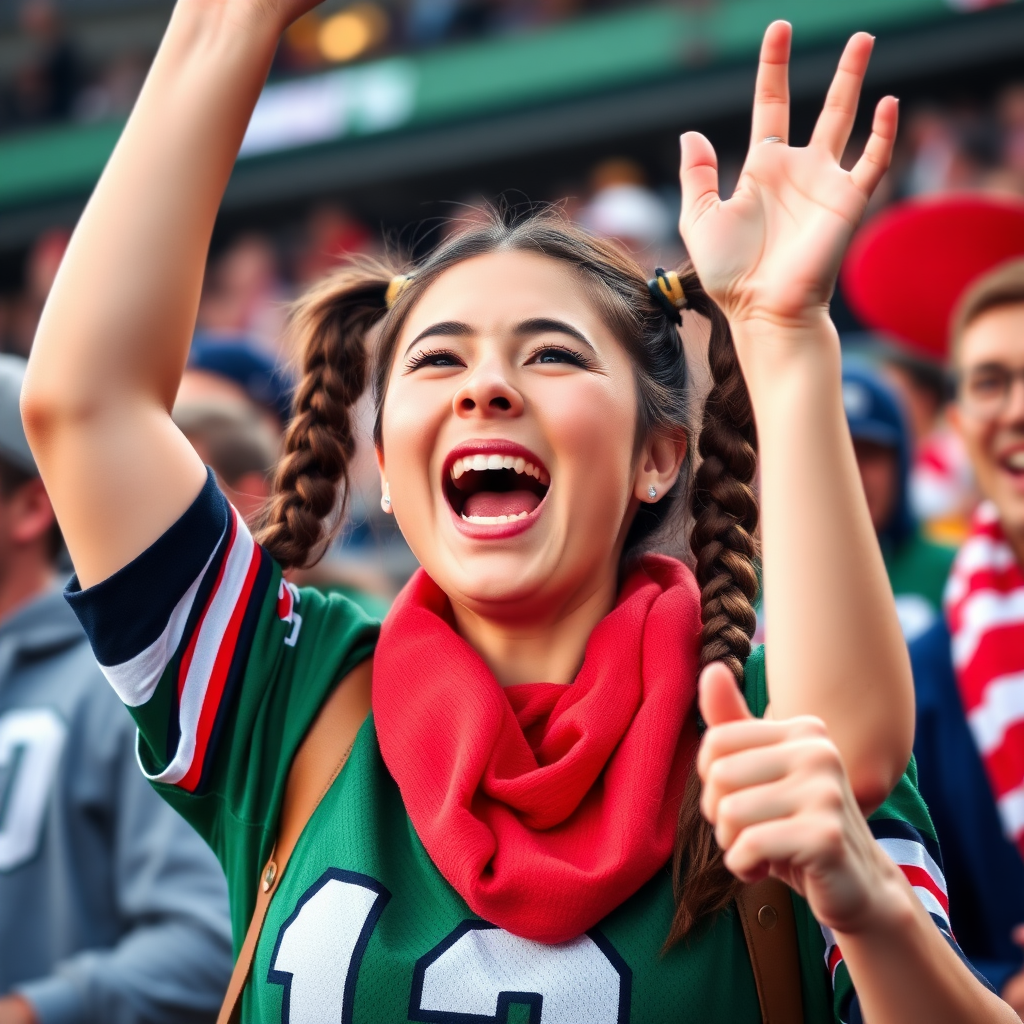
112, 909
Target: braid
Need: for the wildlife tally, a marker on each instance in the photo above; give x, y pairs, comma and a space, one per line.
722, 540
330, 324
725, 508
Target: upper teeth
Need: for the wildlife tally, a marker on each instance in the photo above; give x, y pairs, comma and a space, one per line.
1016, 459
482, 462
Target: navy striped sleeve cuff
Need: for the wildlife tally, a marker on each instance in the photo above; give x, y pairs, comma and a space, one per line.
128, 611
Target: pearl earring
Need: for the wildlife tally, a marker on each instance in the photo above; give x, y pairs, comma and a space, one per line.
652, 492
385, 499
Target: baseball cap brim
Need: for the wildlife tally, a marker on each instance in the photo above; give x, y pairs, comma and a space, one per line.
907, 268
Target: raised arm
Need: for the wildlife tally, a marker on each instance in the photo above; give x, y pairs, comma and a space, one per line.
115, 333
769, 256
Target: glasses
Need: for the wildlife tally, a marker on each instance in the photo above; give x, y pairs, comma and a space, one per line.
984, 391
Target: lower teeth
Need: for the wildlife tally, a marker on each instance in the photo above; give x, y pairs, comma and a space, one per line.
494, 520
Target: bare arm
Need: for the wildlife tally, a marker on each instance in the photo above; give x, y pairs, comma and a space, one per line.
115, 333
769, 256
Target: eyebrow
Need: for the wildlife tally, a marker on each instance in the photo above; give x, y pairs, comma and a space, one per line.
545, 325
535, 325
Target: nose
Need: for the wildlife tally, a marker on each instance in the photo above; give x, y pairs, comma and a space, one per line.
1014, 411
490, 394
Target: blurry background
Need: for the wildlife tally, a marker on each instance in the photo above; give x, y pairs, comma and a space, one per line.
384, 119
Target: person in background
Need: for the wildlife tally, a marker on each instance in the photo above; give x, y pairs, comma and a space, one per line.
112, 909
966, 260
882, 441
233, 405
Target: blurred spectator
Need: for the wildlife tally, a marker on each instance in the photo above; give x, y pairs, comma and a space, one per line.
331, 234
41, 268
624, 208
244, 294
233, 370
50, 75
115, 91
111, 907
917, 567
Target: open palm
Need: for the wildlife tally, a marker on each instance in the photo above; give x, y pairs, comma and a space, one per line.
773, 250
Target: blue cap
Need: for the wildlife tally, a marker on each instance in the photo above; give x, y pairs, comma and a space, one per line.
872, 409
241, 362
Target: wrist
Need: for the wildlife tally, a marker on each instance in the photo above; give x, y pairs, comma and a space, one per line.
891, 907
247, 29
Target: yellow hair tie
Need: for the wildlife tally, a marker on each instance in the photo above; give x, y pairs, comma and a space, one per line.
667, 290
398, 285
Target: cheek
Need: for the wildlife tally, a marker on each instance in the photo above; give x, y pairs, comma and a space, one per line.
408, 432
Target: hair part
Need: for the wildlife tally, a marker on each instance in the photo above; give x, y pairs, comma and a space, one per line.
332, 324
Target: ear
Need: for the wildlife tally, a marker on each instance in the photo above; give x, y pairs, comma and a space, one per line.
953, 418
31, 514
661, 459
384, 491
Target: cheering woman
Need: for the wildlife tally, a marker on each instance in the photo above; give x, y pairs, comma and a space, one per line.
520, 827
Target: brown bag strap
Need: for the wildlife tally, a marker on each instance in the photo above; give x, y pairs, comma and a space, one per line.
769, 926
319, 759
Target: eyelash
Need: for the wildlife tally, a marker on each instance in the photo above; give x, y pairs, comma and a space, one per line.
426, 357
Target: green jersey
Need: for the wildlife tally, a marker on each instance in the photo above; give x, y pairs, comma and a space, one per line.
225, 665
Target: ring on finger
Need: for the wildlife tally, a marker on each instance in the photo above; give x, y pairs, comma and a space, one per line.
772, 138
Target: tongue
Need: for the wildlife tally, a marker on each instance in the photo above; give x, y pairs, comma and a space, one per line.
500, 503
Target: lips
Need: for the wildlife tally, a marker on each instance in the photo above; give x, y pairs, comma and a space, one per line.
494, 483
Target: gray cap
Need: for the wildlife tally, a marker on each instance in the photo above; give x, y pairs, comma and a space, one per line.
13, 444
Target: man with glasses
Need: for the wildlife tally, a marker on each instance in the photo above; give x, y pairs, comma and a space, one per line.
946, 277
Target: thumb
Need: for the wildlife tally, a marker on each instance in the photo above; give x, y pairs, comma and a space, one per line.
720, 698
698, 176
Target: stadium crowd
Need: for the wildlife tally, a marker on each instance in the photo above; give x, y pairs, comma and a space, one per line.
924, 486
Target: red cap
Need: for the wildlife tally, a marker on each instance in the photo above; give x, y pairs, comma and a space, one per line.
908, 267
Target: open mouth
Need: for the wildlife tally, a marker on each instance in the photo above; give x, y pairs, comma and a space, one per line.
494, 483
1013, 462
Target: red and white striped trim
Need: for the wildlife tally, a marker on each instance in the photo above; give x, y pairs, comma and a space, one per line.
207, 659
135, 680
983, 612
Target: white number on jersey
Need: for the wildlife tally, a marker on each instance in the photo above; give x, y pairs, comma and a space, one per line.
31, 742
480, 970
320, 946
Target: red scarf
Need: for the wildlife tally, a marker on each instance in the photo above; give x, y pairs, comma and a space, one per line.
545, 806
985, 608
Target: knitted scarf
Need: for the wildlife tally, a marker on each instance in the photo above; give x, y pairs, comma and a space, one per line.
985, 608
545, 806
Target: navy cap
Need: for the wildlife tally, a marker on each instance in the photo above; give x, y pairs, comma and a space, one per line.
872, 409
13, 443
241, 362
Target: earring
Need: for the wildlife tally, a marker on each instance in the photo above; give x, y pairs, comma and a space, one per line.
652, 492
385, 499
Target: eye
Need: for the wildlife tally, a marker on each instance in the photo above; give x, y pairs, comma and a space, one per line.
558, 354
433, 357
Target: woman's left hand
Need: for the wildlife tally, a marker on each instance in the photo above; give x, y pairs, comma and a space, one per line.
780, 801
772, 251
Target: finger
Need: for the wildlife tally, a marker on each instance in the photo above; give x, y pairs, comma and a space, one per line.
771, 93
877, 155
750, 807
723, 740
698, 177
744, 770
757, 848
1018, 935
837, 115
720, 697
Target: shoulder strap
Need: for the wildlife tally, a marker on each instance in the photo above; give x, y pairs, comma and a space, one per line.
319, 759
769, 926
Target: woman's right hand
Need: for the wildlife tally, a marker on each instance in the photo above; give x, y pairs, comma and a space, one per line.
780, 801
778, 796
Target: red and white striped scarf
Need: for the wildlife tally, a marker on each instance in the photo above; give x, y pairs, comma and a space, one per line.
985, 608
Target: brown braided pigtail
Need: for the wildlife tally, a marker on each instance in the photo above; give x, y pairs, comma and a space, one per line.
723, 542
329, 325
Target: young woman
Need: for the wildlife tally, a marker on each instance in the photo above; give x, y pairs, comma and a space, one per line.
494, 840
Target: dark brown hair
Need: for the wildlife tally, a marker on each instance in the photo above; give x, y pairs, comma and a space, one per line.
331, 326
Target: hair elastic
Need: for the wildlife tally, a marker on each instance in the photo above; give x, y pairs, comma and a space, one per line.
397, 285
667, 290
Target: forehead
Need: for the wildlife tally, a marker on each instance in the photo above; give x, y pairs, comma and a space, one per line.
997, 336
503, 288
